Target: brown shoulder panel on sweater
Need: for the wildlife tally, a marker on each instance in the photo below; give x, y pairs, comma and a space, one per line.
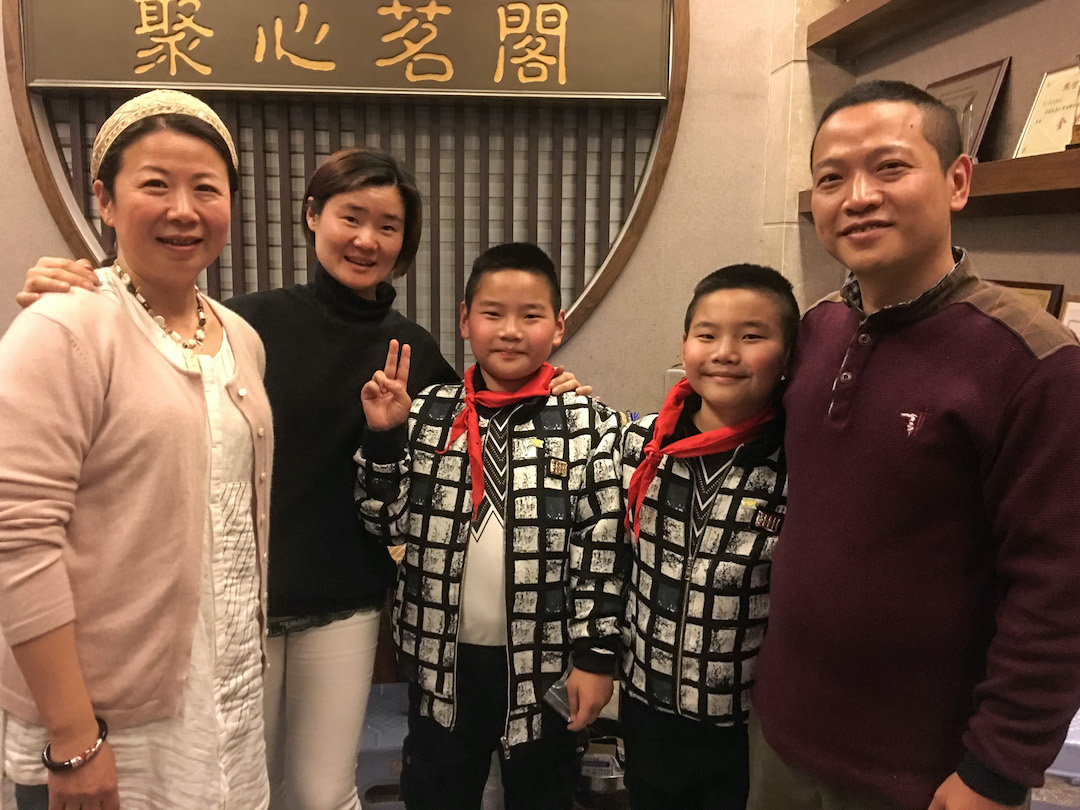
1041, 332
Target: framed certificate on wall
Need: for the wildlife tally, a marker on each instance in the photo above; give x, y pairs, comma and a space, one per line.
1049, 125
971, 96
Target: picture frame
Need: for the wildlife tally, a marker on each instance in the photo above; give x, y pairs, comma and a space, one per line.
1049, 124
1047, 296
1070, 314
971, 95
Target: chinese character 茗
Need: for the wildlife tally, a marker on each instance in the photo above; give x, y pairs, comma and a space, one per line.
534, 61
156, 19
279, 49
413, 49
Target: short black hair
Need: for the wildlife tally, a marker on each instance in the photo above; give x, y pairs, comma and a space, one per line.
524, 256
939, 123
753, 277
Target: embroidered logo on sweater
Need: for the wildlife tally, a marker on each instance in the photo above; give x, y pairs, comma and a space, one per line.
769, 521
912, 421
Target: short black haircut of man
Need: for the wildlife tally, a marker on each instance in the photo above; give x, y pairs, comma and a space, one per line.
939, 124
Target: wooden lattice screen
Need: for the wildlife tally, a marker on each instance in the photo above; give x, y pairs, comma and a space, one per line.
564, 175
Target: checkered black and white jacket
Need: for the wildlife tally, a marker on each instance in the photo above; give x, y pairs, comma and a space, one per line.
698, 598
565, 559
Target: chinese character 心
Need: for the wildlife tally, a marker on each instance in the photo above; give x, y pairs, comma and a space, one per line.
279, 49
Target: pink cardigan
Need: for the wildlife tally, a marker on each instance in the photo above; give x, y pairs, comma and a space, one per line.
103, 495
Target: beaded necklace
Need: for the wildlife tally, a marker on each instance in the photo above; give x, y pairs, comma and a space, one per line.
191, 344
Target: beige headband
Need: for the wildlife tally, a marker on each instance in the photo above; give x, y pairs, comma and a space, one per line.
156, 102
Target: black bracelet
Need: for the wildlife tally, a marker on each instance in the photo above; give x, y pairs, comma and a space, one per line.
75, 763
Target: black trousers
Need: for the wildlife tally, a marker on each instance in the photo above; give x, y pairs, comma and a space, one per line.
445, 769
674, 761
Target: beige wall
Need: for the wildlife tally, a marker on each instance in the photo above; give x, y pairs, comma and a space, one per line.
710, 211
28, 230
752, 98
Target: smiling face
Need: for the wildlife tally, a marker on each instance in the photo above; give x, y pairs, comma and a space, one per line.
170, 206
511, 327
358, 236
734, 355
882, 205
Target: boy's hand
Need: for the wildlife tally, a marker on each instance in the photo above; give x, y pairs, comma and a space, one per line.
588, 693
564, 381
385, 398
53, 274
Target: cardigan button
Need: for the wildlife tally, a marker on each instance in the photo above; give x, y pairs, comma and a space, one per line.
864, 339
242, 392
261, 432
845, 376
262, 476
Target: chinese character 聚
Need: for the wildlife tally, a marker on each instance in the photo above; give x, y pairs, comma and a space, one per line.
156, 19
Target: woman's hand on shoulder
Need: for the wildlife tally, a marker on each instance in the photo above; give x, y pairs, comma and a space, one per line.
92, 785
385, 396
55, 274
565, 381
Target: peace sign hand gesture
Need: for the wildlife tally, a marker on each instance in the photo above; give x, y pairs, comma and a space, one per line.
385, 397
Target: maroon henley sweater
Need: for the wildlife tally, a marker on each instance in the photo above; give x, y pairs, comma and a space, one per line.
926, 586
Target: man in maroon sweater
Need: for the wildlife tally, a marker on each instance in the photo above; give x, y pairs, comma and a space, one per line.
924, 639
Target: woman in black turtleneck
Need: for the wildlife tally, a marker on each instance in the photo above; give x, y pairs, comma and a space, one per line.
327, 579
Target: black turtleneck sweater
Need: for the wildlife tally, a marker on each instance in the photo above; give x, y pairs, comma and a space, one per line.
323, 342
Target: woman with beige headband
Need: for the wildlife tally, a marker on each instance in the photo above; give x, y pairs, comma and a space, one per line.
327, 579
135, 447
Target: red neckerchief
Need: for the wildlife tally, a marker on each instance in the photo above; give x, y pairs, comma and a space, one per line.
539, 385
703, 444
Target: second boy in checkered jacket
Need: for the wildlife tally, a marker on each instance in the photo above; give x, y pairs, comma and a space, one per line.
706, 487
509, 501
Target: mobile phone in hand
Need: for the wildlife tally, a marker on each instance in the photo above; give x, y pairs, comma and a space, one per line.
558, 698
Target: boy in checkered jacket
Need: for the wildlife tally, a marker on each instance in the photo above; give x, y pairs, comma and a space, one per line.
509, 502
706, 487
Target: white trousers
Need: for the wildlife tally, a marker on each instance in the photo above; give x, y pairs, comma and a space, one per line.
316, 689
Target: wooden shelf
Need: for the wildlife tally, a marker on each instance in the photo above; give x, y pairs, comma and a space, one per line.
1041, 184
861, 25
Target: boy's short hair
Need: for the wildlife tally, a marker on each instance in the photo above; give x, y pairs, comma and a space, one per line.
939, 124
524, 256
751, 277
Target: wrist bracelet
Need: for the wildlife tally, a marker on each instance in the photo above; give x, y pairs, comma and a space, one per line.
82, 759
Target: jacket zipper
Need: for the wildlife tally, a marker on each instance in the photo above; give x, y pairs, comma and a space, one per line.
508, 578
688, 572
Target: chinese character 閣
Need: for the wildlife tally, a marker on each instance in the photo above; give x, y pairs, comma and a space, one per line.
534, 59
